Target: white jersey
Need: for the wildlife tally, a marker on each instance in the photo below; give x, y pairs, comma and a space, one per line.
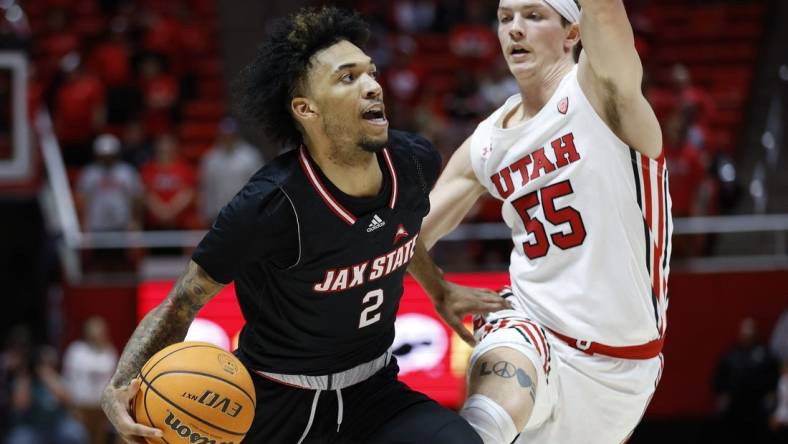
590, 220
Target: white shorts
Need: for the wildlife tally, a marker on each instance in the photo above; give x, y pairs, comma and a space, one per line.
580, 398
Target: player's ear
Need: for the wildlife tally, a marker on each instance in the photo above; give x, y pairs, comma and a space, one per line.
573, 36
303, 109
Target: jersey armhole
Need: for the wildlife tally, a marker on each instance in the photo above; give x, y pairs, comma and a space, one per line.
298, 228
584, 98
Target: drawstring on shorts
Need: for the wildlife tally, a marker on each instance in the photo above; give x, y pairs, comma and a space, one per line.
339, 408
340, 412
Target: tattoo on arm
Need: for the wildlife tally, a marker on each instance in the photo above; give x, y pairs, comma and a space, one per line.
507, 370
167, 323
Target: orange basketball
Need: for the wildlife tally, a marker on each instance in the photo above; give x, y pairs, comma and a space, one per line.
195, 392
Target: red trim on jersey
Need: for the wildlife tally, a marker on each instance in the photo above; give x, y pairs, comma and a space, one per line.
646, 168
539, 334
533, 338
335, 206
654, 267
393, 200
643, 351
542, 343
660, 235
332, 203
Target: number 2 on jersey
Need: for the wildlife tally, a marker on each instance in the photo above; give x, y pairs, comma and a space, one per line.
556, 216
367, 318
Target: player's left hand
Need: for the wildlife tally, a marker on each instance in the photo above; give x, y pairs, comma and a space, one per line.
456, 301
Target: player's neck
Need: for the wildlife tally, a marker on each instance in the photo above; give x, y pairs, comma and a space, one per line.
537, 89
356, 174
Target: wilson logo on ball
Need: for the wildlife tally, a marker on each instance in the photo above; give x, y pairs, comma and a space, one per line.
185, 431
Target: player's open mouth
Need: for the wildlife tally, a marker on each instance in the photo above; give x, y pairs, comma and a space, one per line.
375, 115
518, 51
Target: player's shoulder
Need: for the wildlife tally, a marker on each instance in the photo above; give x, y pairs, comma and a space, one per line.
404, 140
280, 168
410, 147
263, 192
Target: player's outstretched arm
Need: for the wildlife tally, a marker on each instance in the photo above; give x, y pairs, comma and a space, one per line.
454, 194
452, 302
611, 75
164, 325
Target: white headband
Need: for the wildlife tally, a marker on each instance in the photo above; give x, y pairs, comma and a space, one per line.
567, 8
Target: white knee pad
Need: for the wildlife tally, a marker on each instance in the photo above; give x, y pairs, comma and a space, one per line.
489, 419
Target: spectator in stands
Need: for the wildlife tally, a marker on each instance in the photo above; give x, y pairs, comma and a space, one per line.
693, 190
15, 355
38, 397
497, 85
474, 40
695, 102
79, 111
162, 33
687, 170
88, 365
778, 345
464, 106
404, 79
779, 419
744, 381
224, 169
58, 41
111, 61
414, 15
136, 148
160, 93
169, 188
194, 42
111, 57
109, 191
779, 340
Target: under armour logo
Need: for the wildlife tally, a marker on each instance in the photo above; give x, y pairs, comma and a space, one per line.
563, 105
486, 151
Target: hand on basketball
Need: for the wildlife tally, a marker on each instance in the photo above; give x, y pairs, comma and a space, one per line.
458, 301
116, 403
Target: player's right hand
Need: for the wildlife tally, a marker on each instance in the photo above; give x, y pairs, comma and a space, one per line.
457, 301
117, 403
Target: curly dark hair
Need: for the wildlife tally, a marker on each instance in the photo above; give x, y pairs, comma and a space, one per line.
264, 88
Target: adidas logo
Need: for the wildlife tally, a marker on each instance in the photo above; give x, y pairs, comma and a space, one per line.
376, 223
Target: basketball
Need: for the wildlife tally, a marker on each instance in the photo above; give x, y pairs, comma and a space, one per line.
195, 392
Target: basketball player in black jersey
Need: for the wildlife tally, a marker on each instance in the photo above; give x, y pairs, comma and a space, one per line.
317, 243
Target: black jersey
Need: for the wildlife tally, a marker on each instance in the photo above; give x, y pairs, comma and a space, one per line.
318, 273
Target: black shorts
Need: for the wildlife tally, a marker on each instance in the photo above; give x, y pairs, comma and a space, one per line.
380, 410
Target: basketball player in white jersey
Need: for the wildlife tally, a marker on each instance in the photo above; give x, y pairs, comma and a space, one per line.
575, 158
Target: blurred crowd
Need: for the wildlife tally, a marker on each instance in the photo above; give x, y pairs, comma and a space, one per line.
126, 85
121, 77
44, 401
